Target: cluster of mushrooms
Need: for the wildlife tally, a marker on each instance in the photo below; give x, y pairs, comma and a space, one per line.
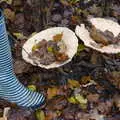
57, 46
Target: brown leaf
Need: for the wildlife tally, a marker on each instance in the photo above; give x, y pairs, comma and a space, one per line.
114, 78
9, 14
57, 103
58, 37
20, 114
74, 19
85, 79
50, 115
21, 67
51, 92
73, 83
105, 107
117, 101
93, 97
61, 57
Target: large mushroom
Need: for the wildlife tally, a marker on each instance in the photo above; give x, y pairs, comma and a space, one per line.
69, 38
103, 25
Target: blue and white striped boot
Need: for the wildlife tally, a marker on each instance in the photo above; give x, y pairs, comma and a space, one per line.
10, 88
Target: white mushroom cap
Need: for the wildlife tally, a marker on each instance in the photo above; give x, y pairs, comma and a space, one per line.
101, 24
69, 39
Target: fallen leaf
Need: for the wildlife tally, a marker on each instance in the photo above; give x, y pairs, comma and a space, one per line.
58, 37
35, 47
57, 103
117, 101
78, 99
73, 84
40, 115
104, 107
9, 14
19, 35
50, 115
20, 114
81, 99
21, 66
72, 100
114, 78
74, 19
51, 92
85, 79
93, 97
32, 87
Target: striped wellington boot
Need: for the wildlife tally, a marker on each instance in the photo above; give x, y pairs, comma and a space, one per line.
10, 88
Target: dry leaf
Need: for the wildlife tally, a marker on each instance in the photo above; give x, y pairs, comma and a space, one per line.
117, 101
35, 47
51, 92
32, 87
81, 99
50, 115
61, 57
73, 84
85, 79
93, 97
9, 14
57, 103
58, 37
19, 35
72, 100
40, 115
75, 19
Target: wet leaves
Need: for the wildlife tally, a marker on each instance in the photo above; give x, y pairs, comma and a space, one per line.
85, 95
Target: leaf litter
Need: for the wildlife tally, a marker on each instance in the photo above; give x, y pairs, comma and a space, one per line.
88, 87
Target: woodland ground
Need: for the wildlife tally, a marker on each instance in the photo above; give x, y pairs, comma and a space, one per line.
87, 88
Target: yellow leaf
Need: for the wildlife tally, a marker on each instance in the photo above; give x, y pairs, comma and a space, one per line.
32, 87
80, 99
51, 92
19, 35
73, 83
35, 47
57, 37
72, 100
40, 115
50, 49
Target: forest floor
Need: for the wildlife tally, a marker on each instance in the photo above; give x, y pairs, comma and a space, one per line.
88, 87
